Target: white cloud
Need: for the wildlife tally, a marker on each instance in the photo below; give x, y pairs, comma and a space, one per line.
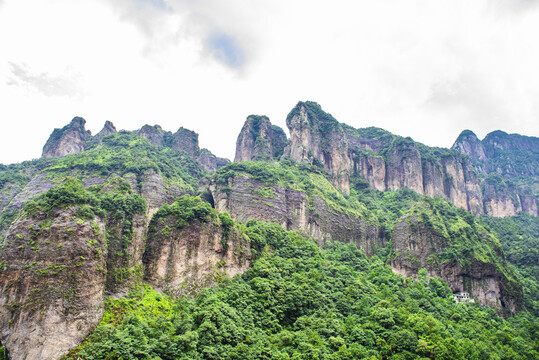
423, 68
47, 84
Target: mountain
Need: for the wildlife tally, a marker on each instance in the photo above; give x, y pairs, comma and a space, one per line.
508, 163
335, 243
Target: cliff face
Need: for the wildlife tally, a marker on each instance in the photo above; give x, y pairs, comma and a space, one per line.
185, 140
468, 143
316, 136
154, 134
56, 269
71, 139
259, 140
245, 199
52, 278
421, 240
186, 260
385, 161
509, 163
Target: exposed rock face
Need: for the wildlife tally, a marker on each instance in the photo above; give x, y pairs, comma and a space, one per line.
507, 158
70, 139
259, 140
39, 184
108, 129
55, 271
503, 141
52, 284
468, 143
7, 193
246, 199
184, 261
502, 200
209, 161
154, 134
73, 138
418, 244
404, 167
385, 161
186, 140
316, 136
183, 140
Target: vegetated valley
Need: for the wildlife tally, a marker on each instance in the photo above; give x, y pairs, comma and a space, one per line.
332, 243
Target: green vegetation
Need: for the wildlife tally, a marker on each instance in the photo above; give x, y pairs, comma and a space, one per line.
185, 210
91, 201
516, 157
290, 175
467, 240
519, 236
125, 153
299, 301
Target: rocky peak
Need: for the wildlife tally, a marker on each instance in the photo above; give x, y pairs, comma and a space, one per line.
108, 129
185, 140
209, 161
503, 141
468, 143
70, 139
505, 159
259, 140
154, 134
316, 137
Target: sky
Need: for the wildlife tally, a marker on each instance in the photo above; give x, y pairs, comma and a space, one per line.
427, 69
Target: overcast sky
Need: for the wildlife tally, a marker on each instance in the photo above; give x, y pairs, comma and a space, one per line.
426, 69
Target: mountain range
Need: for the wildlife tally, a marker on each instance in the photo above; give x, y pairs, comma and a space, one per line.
101, 220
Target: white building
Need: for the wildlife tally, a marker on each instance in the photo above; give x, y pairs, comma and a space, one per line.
463, 297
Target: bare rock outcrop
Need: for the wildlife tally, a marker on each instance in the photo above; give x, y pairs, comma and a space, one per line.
52, 277
421, 240
184, 260
316, 137
108, 129
505, 159
185, 140
245, 199
468, 143
71, 139
259, 140
154, 134
209, 161
385, 161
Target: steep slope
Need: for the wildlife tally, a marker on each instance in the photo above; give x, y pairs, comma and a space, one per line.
71, 139
184, 140
80, 228
456, 248
300, 301
508, 163
55, 267
259, 140
52, 283
300, 197
190, 247
74, 138
297, 197
108, 129
386, 161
